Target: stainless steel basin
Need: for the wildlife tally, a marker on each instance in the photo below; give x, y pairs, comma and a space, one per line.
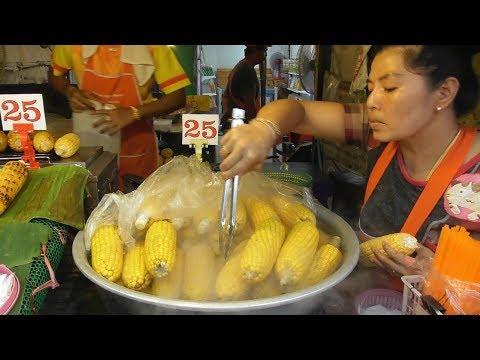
121, 300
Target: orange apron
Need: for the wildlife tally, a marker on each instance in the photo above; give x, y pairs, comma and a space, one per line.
435, 188
138, 149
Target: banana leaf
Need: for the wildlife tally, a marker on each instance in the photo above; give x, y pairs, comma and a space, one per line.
55, 193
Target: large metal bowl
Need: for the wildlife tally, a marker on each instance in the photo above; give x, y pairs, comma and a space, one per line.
121, 300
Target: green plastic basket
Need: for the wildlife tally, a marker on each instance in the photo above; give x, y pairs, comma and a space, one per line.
299, 179
39, 272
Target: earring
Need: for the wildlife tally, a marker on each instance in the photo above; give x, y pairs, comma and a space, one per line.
439, 108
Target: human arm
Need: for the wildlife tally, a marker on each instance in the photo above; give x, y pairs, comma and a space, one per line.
246, 147
117, 119
61, 64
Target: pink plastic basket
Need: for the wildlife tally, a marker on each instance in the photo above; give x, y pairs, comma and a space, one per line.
390, 299
8, 305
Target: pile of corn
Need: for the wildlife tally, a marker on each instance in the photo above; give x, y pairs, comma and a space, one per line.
43, 142
278, 248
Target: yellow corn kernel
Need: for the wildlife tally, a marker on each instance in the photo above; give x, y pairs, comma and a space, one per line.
402, 242
160, 248
259, 211
230, 284
170, 286
199, 273
12, 178
134, 274
259, 255
325, 262
297, 253
43, 142
67, 145
292, 212
107, 252
14, 141
267, 288
3, 141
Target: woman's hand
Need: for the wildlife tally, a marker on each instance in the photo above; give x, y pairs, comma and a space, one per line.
245, 148
398, 263
113, 120
80, 100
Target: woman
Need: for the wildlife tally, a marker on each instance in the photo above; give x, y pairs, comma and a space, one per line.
426, 165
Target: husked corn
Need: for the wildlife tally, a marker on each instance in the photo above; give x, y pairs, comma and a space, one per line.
325, 262
107, 252
292, 212
230, 284
199, 273
297, 253
160, 248
402, 242
170, 286
259, 211
259, 255
134, 274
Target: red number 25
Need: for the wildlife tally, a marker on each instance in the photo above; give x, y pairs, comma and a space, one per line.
209, 131
14, 114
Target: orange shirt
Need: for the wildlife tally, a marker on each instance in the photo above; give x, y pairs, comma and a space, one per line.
169, 73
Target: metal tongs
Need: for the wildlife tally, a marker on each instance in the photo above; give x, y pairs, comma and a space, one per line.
230, 192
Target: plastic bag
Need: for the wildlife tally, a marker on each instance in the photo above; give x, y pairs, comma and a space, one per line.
456, 296
176, 191
106, 213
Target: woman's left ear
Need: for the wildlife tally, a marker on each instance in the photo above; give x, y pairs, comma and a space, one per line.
447, 92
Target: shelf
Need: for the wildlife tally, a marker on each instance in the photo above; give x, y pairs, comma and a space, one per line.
209, 77
209, 94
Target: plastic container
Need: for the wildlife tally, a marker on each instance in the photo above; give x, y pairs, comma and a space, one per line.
390, 299
8, 305
412, 297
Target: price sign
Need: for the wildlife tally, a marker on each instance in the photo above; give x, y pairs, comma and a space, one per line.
200, 127
22, 109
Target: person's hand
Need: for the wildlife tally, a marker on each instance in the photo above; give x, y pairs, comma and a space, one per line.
245, 148
400, 264
80, 100
113, 120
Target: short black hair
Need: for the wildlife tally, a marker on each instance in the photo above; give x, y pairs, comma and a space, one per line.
439, 62
251, 49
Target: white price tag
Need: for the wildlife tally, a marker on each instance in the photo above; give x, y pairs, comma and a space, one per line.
200, 127
22, 109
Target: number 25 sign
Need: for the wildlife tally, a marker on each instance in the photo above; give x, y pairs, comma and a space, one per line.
200, 127
22, 109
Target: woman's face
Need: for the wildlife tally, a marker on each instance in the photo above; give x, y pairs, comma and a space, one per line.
400, 102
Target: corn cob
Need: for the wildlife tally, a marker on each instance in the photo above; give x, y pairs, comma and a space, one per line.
230, 284
14, 141
199, 274
402, 242
160, 248
67, 145
170, 286
259, 211
134, 274
267, 288
259, 255
107, 252
12, 178
43, 142
292, 212
325, 262
3, 141
297, 253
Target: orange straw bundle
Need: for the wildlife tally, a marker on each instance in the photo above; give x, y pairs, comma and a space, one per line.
454, 280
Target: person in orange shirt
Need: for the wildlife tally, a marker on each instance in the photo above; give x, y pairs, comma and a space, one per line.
114, 88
